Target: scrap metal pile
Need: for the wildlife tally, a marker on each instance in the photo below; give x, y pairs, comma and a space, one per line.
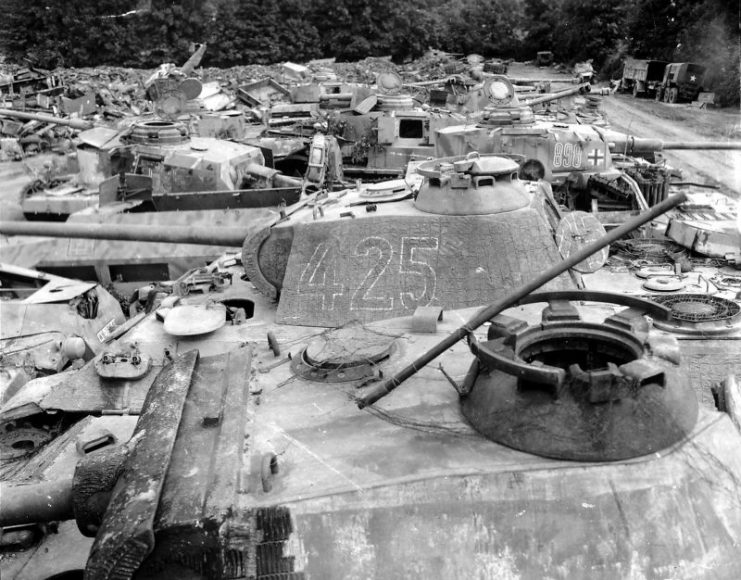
107, 95
220, 366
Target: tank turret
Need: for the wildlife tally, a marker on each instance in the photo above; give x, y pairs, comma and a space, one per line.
169, 87
379, 142
471, 186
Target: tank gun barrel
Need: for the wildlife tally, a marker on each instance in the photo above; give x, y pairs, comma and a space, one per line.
429, 83
273, 175
194, 60
628, 144
578, 90
74, 123
527, 81
492, 310
515, 81
701, 145
45, 501
222, 236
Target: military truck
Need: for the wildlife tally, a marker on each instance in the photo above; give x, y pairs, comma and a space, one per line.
544, 58
682, 82
642, 77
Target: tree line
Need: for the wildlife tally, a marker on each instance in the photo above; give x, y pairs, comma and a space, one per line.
53, 33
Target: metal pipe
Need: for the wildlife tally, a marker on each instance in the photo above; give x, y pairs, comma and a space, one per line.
74, 123
31, 503
492, 310
221, 236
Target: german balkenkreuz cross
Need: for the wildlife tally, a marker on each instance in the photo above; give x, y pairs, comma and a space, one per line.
597, 157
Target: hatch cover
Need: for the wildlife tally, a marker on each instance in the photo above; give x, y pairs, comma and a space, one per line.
349, 353
699, 313
576, 230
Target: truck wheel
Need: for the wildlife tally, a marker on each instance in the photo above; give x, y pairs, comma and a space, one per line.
635, 90
673, 93
659, 94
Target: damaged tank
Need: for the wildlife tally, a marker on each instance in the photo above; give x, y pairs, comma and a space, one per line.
153, 174
383, 133
591, 168
338, 398
158, 165
49, 324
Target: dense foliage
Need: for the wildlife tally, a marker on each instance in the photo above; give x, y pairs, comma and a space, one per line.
94, 32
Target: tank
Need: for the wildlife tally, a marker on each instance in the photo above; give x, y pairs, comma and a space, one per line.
153, 174
148, 162
390, 129
311, 409
589, 167
49, 324
385, 130
170, 87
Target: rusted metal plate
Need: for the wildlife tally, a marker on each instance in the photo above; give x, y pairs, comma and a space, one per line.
713, 237
213, 200
576, 230
202, 473
708, 362
640, 421
197, 510
59, 291
647, 517
126, 535
451, 491
84, 392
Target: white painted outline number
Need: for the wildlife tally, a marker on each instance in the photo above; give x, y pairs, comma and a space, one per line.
567, 155
416, 282
319, 276
362, 298
412, 266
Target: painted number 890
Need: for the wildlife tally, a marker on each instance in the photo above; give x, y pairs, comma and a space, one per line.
567, 155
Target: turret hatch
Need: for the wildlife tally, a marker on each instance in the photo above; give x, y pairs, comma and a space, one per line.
471, 185
571, 389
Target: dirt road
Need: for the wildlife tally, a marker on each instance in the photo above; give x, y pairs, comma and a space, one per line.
680, 122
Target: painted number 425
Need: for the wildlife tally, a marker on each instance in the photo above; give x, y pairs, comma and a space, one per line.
411, 280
